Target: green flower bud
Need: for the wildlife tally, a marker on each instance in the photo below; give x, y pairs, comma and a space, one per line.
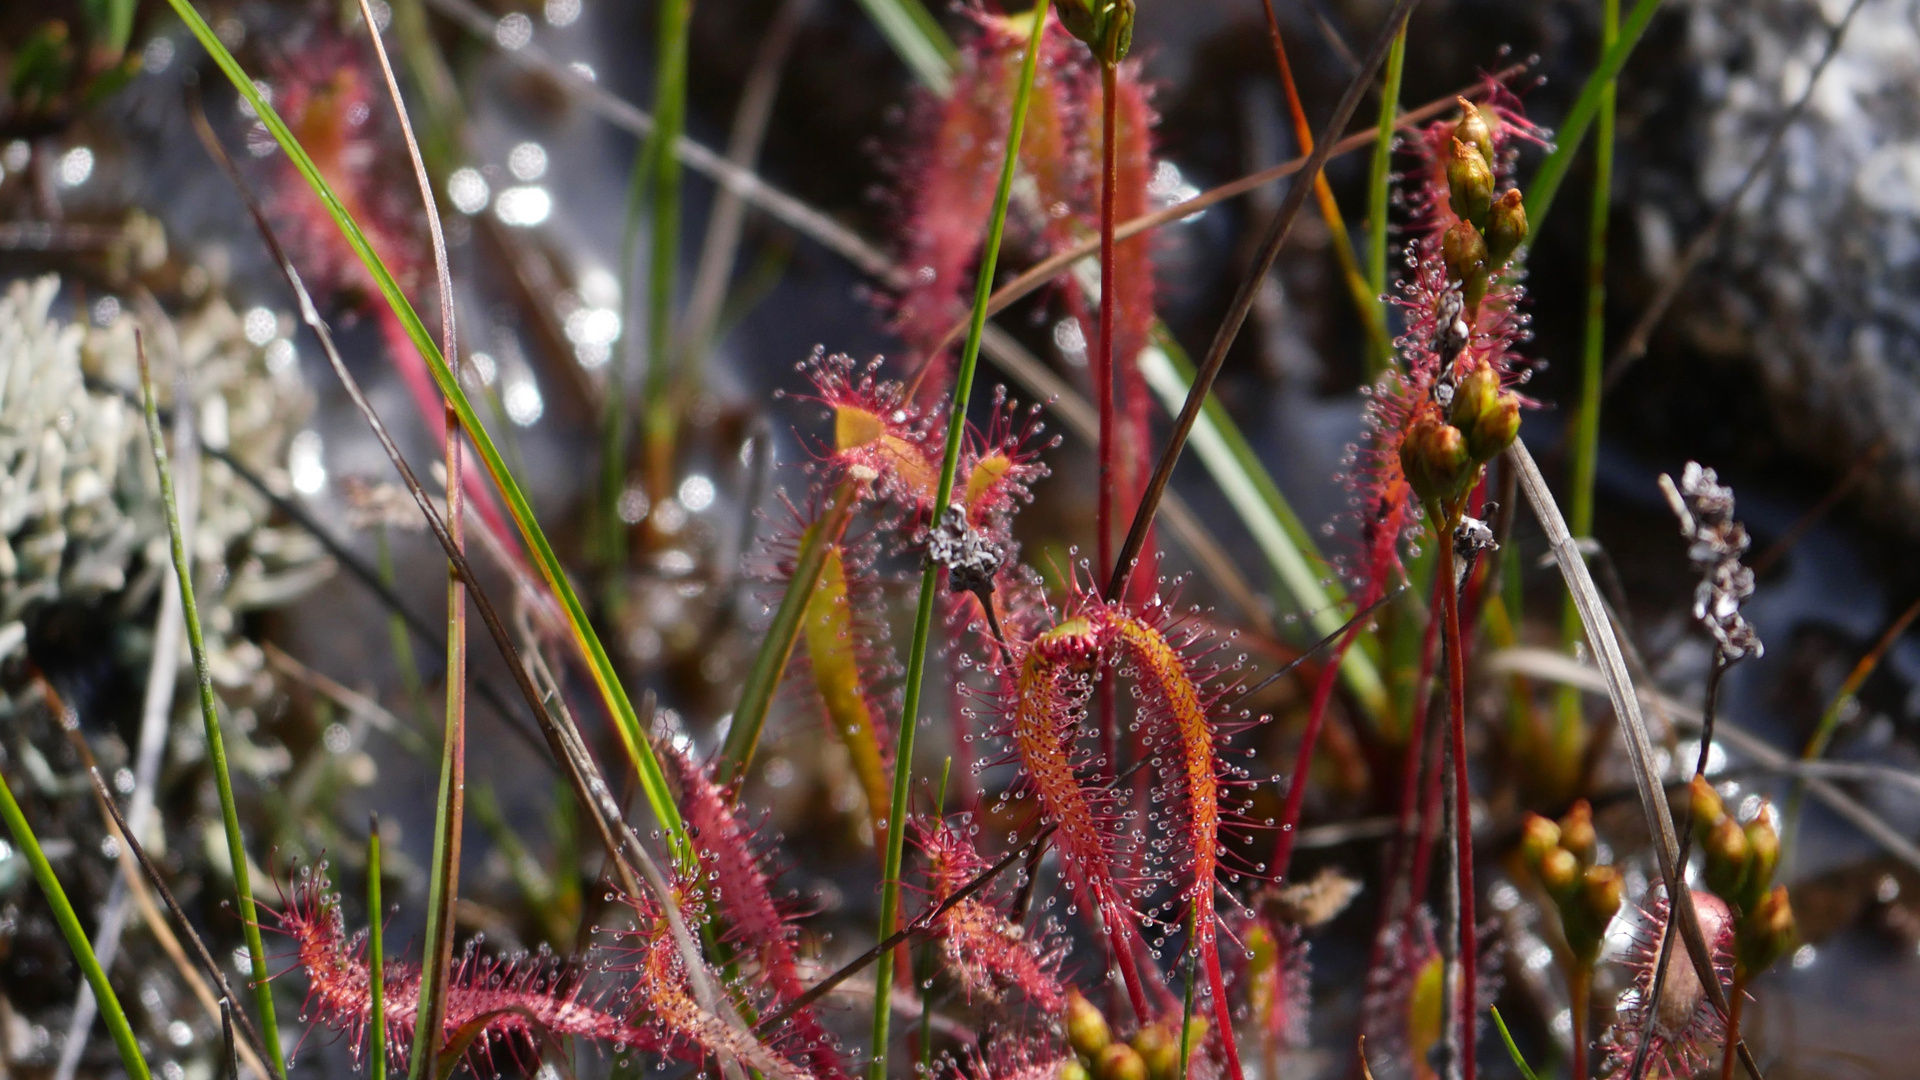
1159, 1047
1764, 845
1538, 836
1105, 25
1506, 228
1072, 1069
1120, 1062
1474, 130
1584, 916
1604, 890
1576, 829
1087, 1030
1767, 933
1464, 251
1489, 418
1469, 184
1434, 457
1728, 860
1560, 873
1708, 809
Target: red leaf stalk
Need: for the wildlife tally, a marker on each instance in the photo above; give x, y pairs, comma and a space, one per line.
1103, 357
328, 98
1462, 803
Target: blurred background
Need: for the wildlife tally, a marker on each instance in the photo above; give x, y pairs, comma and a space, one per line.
1761, 315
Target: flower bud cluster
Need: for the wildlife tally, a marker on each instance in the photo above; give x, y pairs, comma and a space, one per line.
1442, 457
1488, 226
1153, 1053
1740, 863
1563, 856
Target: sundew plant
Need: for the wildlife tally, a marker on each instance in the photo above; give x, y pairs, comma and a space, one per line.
437, 637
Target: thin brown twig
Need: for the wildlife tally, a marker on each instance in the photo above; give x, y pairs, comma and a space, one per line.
255, 1050
1242, 303
1064, 402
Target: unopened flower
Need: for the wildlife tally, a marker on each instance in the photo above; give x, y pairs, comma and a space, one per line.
1506, 228
1767, 933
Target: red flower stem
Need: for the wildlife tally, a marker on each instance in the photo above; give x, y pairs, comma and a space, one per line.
1412, 823
1579, 1002
1735, 1000
1457, 714
1410, 845
1103, 388
1432, 792
1103, 359
1303, 760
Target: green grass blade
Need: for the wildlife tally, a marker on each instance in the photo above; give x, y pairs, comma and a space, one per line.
1186, 1002
1512, 1050
929, 576
443, 885
376, 957
917, 38
600, 665
776, 648
75, 934
1586, 108
216, 744
1380, 181
1282, 538
1584, 448
670, 118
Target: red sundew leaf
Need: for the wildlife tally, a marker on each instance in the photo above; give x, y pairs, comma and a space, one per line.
1133, 287
987, 953
327, 93
1179, 692
515, 1000
743, 898
1042, 701
1685, 1029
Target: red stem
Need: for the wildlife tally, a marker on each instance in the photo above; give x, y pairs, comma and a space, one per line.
1103, 359
1222, 1012
1103, 385
1297, 788
1580, 999
1736, 999
1416, 751
1122, 946
1410, 845
1462, 802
